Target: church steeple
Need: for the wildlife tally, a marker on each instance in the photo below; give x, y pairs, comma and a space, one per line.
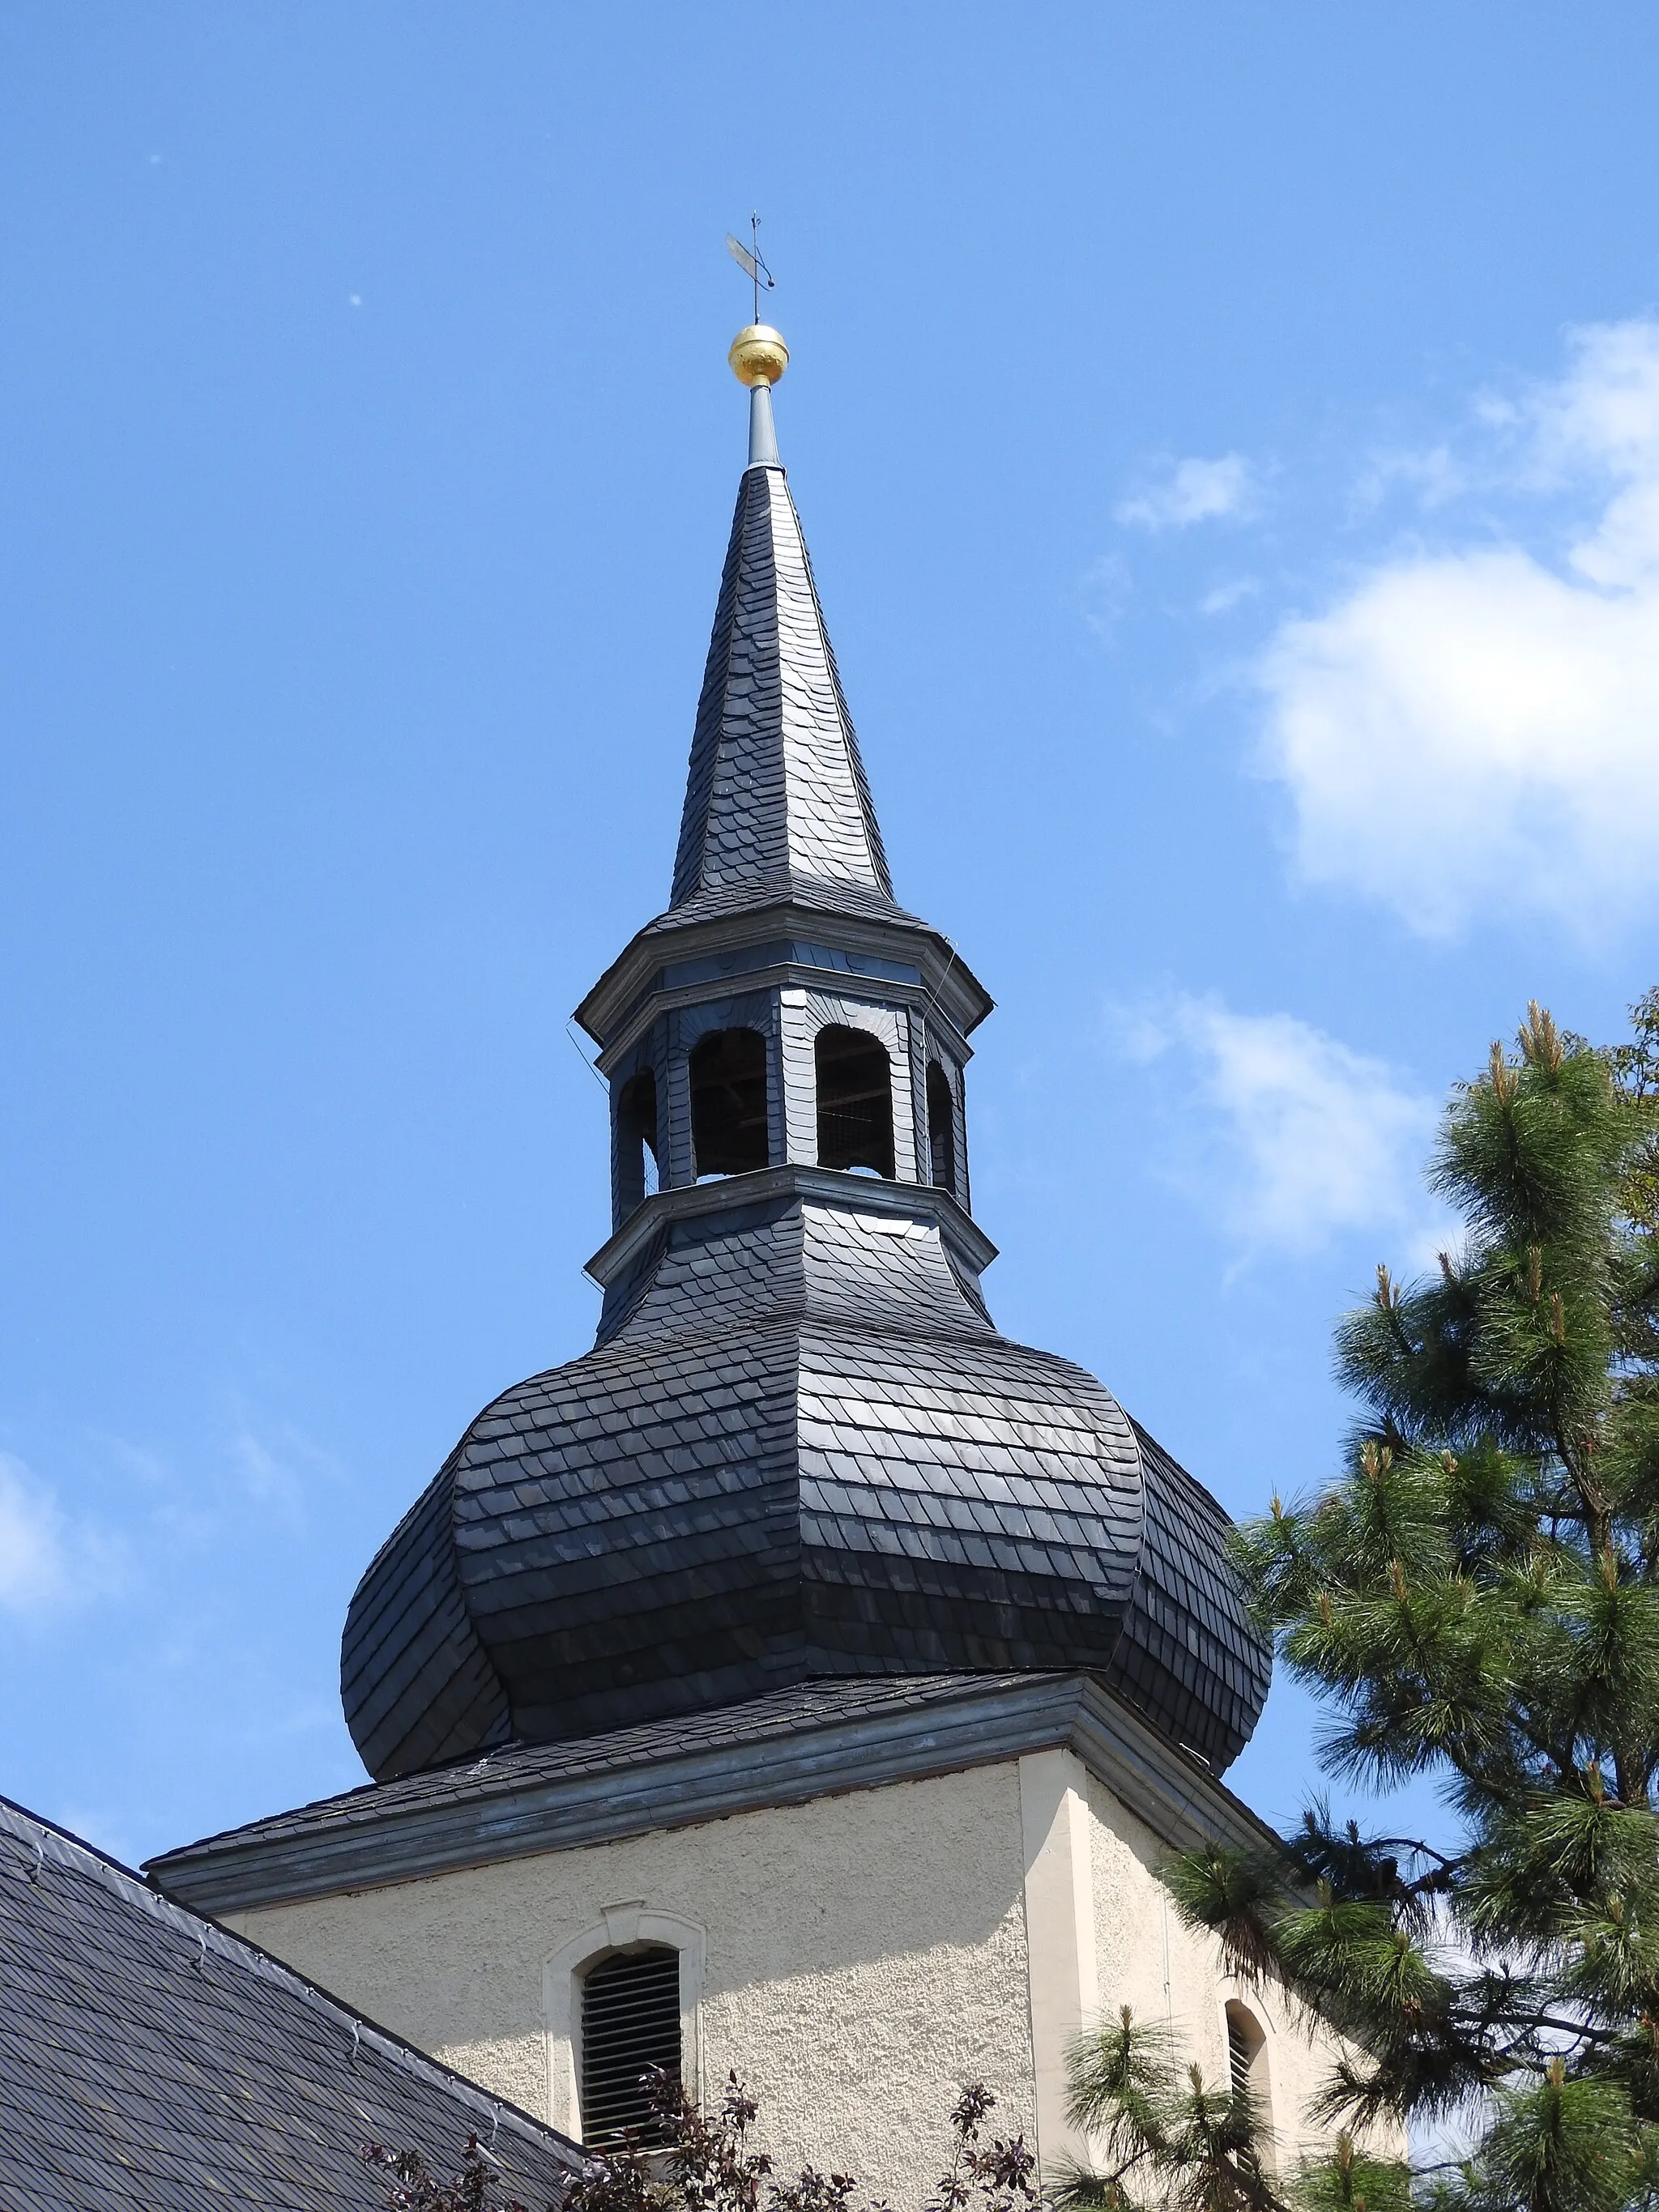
799, 1448
776, 800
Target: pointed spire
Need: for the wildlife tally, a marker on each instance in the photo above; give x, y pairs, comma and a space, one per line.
776, 801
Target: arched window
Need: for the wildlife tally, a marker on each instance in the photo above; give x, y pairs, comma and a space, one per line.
1246, 2071
941, 1127
856, 1102
728, 1102
630, 2006
636, 1139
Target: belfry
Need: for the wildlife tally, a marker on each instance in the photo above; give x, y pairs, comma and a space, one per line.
806, 1660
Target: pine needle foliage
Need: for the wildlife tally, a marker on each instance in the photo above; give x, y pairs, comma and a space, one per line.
1475, 1599
1167, 2138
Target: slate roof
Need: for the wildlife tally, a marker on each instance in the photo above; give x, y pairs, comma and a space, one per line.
776, 803
151, 2062
799, 1450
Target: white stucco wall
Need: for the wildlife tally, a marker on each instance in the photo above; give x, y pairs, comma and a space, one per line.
1147, 1958
859, 1958
865, 1957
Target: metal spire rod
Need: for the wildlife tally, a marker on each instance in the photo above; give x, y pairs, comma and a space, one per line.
748, 258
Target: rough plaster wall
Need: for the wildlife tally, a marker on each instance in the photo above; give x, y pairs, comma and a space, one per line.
1135, 1921
865, 1956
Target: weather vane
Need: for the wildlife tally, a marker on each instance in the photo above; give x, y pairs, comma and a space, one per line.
748, 258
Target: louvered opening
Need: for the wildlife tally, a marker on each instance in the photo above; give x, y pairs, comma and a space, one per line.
1247, 2069
630, 2023
1238, 2053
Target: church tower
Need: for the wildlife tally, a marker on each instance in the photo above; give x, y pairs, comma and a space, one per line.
806, 1679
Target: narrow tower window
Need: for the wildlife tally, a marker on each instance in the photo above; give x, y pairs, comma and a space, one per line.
1238, 2052
856, 1102
630, 2023
941, 1127
636, 1139
728, 1102
1247, 2070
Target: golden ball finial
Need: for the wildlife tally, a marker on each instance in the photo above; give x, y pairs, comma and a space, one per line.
758, 355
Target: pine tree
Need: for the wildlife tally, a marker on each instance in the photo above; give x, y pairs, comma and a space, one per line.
1476, 1599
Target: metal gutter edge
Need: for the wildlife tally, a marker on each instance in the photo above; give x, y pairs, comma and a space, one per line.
1169, 1791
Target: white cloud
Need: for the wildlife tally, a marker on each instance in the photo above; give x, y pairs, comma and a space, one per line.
276, 1469
45, 1561
1472, 731
1225, 597
1194, 490
1304, 1138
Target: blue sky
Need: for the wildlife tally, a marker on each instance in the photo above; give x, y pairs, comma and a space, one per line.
1228, 437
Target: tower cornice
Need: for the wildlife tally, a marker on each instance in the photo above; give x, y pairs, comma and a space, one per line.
645, 972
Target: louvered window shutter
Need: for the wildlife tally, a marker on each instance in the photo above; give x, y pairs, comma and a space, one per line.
630, 2023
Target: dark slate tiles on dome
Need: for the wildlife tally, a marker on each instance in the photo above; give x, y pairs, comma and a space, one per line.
150, 2061
1185, 1680
804, 1453
440, 1674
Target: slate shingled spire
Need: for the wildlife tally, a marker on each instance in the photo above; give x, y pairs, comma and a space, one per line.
776, 802
799, 1449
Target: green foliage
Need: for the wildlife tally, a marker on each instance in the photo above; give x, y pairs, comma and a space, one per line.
1475, 1599
1168, 2139
1347, 2181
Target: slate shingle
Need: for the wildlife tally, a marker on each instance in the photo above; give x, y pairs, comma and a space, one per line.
150, 2061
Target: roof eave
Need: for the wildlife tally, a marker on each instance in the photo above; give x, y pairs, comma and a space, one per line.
955, 1724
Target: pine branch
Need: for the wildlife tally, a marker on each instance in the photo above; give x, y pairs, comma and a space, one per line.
1476, 1597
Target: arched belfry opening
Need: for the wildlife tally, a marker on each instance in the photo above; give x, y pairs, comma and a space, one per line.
856, 1102
636, 1139
728, 1102
941, 1129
